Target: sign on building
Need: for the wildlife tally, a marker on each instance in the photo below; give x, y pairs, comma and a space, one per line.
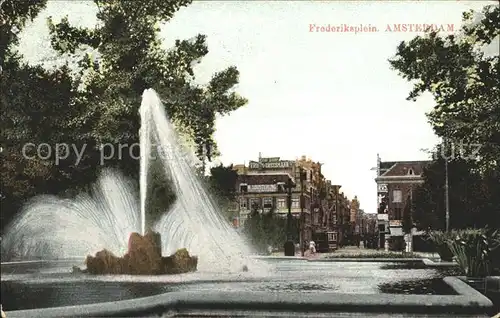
271, 159
270, 163
263, 188
382, 188
395, 223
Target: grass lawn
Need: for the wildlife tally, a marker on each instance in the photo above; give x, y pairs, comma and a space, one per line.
374, 255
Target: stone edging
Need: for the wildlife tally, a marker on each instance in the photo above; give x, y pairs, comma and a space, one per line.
366, 260
468, 301
431, 263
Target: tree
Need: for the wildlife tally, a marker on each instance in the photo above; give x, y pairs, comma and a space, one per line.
463, 80
34, 104
97, 103
161, 193
472, 203
268, 229
130, 59
407, 222
223, 181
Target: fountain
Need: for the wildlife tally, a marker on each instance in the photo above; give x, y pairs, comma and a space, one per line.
50, 227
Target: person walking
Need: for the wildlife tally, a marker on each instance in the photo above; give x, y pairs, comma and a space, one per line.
312, 247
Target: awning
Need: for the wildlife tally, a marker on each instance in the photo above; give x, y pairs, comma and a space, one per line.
396, 231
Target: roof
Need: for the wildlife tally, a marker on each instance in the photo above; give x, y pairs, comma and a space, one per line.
402, 168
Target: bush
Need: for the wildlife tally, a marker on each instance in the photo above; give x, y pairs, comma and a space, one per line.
264, 230
440, 240
476, 251
397, 244
423, 244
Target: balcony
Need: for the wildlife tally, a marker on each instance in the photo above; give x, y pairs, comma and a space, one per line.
383, 217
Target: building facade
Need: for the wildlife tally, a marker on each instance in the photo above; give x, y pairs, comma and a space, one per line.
261, 187
396, 182
366, 223
315, 201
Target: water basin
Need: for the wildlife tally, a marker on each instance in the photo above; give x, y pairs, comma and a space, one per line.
52, 285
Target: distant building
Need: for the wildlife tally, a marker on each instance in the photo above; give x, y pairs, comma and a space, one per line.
396, 182
366, 223
261, 186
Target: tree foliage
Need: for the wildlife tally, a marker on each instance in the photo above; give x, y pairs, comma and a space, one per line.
97, 103
130, 59
407, 222
223, 181
161, 193
473, 197
222, 185
463, 80
268, 229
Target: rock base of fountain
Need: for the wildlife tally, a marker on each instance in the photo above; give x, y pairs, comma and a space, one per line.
143, 258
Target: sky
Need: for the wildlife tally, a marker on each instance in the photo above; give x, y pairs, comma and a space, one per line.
328, 95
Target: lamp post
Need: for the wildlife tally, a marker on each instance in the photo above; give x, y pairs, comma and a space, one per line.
338, 216
302, 216
446, 190
289, 245
447, 195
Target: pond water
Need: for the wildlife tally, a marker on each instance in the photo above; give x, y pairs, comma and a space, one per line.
433, 285
52, 285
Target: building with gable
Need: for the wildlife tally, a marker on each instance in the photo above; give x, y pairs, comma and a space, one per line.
396, 182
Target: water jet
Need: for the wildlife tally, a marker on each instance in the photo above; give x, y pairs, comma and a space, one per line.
53, 228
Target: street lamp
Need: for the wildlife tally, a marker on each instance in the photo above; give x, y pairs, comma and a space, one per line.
338, 216
446, 190
289, 245
302, 216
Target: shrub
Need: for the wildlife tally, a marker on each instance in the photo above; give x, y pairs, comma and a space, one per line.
397, 244
422, 243
440, 240
475, 251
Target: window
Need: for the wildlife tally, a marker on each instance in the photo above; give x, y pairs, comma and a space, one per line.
255, 202
243, 187
243, 203
397, 214
330, 237
397, 196
295, 203
268, 203
281, 204
410, 171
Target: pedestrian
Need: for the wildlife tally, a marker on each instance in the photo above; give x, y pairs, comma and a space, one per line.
312, 247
